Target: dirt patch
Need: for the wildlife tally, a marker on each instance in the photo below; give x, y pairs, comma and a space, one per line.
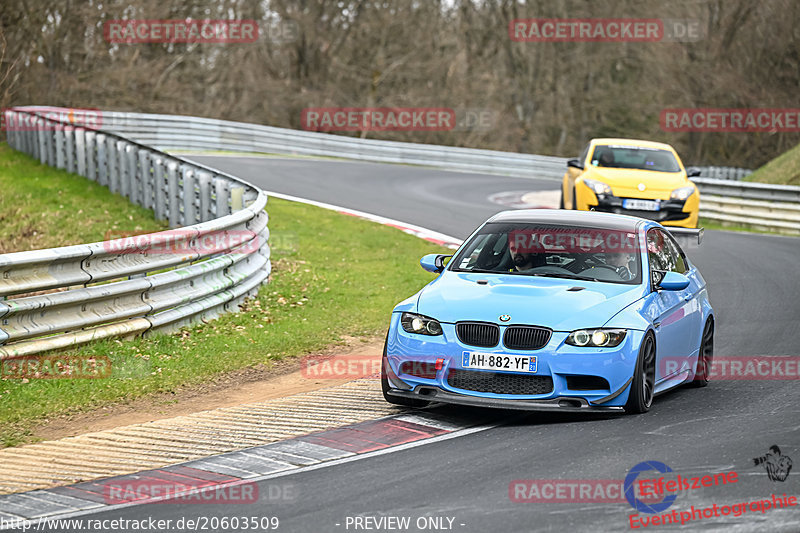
282, 378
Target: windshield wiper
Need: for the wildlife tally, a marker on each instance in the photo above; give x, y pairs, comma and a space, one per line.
565, 276
534, 274
554, 275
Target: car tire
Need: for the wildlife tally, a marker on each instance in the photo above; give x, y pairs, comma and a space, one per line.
396, 400
640, 398
705, 357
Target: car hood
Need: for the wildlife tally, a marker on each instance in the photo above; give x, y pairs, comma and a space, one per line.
541, 301
627, 178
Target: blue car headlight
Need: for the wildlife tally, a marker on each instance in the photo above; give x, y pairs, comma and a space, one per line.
596, 338
420, 324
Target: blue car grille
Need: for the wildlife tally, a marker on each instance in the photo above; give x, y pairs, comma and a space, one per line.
499, 382
526, 337
478, 333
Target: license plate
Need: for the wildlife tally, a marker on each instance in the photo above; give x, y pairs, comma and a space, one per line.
499, 361
642, 205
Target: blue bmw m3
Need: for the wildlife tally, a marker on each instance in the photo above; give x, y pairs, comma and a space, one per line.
554, 310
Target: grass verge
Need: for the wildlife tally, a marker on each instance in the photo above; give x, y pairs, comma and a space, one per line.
43, 207
783, 170
732, 226
333, 276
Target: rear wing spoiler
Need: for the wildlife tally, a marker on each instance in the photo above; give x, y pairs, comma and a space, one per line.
687, 237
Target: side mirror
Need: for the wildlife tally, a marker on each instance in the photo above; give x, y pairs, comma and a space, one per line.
574, 163
433, 262
692, 172
672, 281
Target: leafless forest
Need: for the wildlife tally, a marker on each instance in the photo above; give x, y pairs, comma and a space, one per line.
546, 98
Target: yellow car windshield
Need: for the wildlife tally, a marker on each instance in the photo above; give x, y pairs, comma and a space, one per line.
615, 156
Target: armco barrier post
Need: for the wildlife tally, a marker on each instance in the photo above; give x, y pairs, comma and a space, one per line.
102, 160
50, 135
204, 180
42, 135
132, 183
80, 151
221, 189
144, 190
124, 168
34, 140
189, 207
45, 140
112, 164
69, 148
17, 133
59, 146
90, 138
12, 119
159, 192
115, 166
173, 196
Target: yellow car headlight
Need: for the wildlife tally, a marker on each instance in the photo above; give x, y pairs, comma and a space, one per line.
683, 193
597, 186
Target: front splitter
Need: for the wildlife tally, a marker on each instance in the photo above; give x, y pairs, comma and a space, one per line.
563, 403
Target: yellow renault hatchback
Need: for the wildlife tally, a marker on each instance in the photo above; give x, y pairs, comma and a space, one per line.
640, 178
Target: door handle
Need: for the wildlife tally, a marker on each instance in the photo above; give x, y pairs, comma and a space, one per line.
687, 297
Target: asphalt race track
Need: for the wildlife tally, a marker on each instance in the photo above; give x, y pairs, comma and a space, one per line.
753, 282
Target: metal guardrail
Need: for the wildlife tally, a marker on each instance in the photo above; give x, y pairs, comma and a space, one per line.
724, 173
760, 206
171, 132
217, 256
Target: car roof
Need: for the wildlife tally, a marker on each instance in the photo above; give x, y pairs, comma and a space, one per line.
632, 142
590, 219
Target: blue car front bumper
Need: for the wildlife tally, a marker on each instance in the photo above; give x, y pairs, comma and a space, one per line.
583, 379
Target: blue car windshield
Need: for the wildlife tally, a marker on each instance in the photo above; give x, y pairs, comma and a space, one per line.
558, 251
